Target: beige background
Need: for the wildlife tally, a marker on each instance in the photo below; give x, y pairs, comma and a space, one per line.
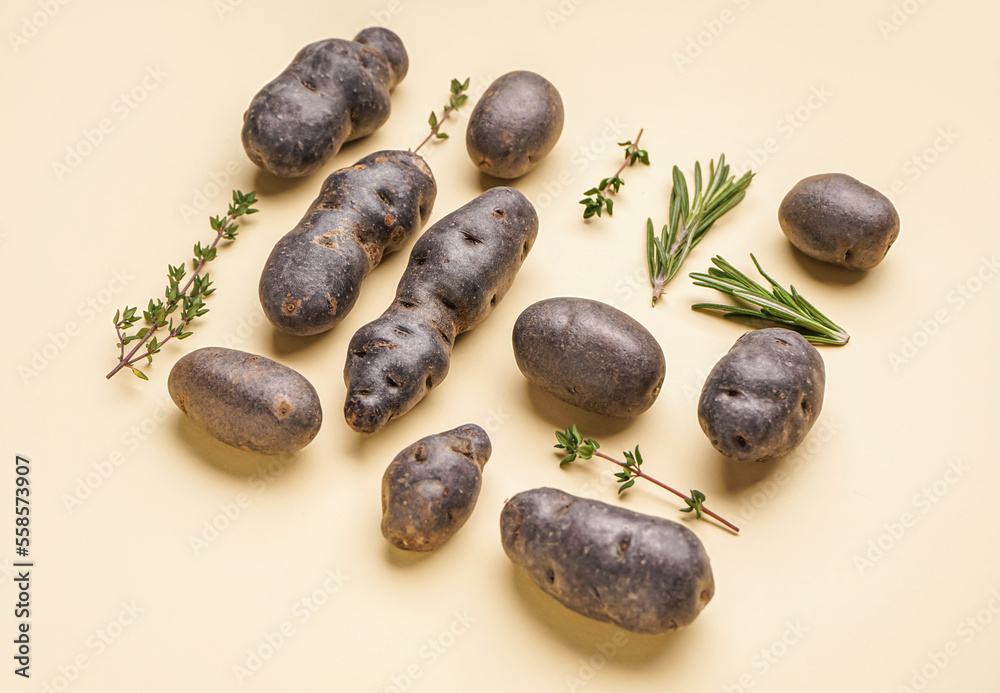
902, 95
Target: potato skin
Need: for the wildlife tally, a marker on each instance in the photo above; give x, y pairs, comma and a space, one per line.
837, 219
430, 488
459, 269
247, 401
313, 276
642, 573
761, 398
334, 91
589, 354
515, 124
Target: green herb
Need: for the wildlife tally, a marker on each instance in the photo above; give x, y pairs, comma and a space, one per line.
690, 219
576, 446
785, 307
455, 101
596, 200
189, 300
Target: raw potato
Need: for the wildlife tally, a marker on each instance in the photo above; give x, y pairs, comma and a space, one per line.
591, 355
459, 269
430, 489
515, 124
762, 398
247, 401
313, 276
334, 91
840, 220
642, 573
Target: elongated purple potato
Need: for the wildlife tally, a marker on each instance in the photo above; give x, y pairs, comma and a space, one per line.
459, 269
430, 488
642, 573
334, 91
247, 401
313, 276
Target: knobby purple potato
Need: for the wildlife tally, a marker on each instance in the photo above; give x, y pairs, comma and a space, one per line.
247, 401
589, 354
459, 269
515, 124
642, 573
334, 91
313, 276
761, 398
430, 488
838, 219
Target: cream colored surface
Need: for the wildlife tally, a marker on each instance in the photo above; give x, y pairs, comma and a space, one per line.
868, 86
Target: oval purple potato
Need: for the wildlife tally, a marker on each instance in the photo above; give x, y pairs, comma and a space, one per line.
838, 219
247, 401
761, 398
589, 354
515, 124
642, 573
430, 488
334, 91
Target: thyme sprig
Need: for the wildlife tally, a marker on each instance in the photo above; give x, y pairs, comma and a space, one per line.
690, 218
779, 305
456, 100
596, 200
188, 300
576, 446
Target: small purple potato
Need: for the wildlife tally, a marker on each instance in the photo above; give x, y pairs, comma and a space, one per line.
430, 489
247, 401
459, 269
313, 276
837, 219
642, 573
334, 91
762, 397
516, 123
589, 354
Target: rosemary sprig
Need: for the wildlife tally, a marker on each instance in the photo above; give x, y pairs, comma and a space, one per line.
690, 219
455, 101
596, 199
189, 299
785, 307
576, 446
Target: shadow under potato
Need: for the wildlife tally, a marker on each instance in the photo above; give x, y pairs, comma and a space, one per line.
284, 344
824, 271
562, 414
584, 634
225, 458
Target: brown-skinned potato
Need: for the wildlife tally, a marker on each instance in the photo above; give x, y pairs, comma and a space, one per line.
459, 269
430, 488
514, 125
247, 401
642, 573
334, 91
761, 398
313, 276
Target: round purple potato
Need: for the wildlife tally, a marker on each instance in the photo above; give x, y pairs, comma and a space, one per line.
334, 91
516, 123
459, 269
838, 219
642, 573
313, 276
762, 397
589, 354
430, 488
247, 401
